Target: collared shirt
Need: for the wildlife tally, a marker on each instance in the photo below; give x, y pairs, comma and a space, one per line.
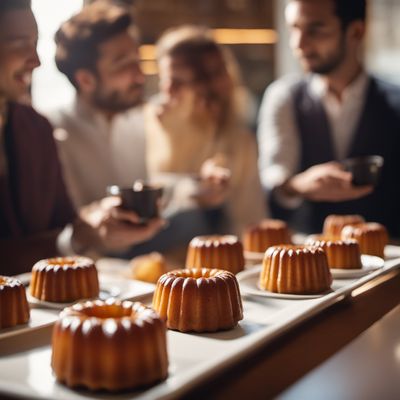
278, 136
344, 114
95, 152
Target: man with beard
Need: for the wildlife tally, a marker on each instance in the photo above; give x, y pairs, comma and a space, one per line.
337, 111
101, 135
37, 219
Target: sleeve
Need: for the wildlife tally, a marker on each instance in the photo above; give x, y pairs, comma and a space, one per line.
63, 209
277, 135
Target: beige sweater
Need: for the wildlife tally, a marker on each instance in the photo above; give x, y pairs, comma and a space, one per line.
178, 145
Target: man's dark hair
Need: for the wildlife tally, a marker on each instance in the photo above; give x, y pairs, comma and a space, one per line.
349, 11
78, 38
8, 5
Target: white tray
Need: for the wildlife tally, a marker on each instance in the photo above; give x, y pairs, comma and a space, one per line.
193, 357
39, 319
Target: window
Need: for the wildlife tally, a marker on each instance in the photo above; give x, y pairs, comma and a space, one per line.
49, 87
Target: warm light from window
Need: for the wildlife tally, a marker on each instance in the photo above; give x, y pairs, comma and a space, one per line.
223, 36
147, 52
245, 36
149, 67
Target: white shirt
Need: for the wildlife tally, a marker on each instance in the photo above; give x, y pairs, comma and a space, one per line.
96, 153
278, 137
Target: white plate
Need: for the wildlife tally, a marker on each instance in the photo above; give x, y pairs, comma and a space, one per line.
39, 319
253, 256
120, 288
113, 266
392, 251
105, 293
248, 281
369, 264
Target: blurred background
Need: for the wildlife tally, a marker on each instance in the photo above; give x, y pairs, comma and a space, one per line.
253, 29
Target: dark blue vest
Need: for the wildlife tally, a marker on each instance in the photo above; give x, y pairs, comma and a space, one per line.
377, 132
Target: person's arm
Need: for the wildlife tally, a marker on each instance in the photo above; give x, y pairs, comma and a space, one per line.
278, 142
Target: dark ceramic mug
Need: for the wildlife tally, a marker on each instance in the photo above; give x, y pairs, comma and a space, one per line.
142, 198
366, 170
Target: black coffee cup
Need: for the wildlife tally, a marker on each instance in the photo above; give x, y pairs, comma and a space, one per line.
366, 170
142, 198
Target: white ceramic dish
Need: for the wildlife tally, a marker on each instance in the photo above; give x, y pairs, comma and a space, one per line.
369, 264
392, 252
253, 256
110, 286
105, 293
38, 319
248, 281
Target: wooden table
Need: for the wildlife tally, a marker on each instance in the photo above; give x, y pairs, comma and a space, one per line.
367, 368
267, 372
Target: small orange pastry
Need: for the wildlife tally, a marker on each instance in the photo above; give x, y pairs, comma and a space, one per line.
110, 345
199, 300
269, 232
341, 254
295, 270
14, 308
371, 236
64, 279
217, 251
148, 267
334, 224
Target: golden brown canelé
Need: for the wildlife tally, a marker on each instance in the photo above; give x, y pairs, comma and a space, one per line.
269, 232
334, 224
109, 345
64, 279
371, 236
14, 308
199, 300
148, 267
341, 254
217, 251
295, 270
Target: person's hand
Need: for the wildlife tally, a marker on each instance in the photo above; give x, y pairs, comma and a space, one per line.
325, 182
214, 183
116, 228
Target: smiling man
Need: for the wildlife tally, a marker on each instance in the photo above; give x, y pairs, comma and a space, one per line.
335, 111
37, 219
100, 132
29, 220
